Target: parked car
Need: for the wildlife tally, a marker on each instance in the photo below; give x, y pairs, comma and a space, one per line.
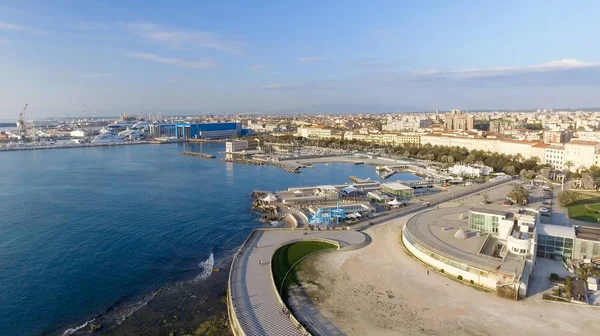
547, 203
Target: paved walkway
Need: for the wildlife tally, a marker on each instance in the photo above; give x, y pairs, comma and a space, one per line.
256, 303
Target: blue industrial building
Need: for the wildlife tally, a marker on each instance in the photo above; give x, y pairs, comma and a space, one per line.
208, 130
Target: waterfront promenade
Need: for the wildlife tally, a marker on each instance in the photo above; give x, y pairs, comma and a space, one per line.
254, 304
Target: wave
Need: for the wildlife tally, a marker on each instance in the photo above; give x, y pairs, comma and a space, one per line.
118, 313
207, 268
71, 331
123, 312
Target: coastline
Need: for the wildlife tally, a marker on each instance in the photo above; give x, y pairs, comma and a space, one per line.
124, 143
194, 305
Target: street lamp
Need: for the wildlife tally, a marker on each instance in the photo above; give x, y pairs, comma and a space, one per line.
340, 241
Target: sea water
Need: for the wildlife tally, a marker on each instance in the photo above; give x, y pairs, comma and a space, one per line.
90, 230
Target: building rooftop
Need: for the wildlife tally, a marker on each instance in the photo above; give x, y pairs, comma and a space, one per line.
396, 186
490, 211
435, 231
582, 143
541, 145
587, 233
556, 230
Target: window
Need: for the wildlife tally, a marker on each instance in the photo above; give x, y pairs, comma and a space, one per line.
523, 251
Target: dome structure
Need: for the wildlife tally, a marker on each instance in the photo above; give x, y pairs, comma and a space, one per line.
460, 234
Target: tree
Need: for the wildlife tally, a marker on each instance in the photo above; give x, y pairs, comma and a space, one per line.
450, 159
486, 198
510, 170
518, 195
568, 197
569, 164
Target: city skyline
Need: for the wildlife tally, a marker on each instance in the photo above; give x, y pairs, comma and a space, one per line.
187, 58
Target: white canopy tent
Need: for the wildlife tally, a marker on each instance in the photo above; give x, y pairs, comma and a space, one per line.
269, 198
395, 202
350, 189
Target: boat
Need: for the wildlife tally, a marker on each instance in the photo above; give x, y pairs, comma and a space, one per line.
107, 138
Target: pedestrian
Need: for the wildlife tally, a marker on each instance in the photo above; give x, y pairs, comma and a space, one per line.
427, 272
256, 245
261, 262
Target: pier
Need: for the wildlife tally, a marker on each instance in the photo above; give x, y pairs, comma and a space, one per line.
198, 155
388, 174
287, 168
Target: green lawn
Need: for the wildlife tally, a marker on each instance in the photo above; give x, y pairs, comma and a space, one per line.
586, 209
288, 255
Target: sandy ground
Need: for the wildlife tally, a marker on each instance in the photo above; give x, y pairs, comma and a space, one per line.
380, 290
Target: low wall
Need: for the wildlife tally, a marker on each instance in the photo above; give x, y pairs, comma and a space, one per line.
448, 269
236, 329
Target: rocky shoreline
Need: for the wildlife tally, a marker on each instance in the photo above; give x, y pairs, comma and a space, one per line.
264, 163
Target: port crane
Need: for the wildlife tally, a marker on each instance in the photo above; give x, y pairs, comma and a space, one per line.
21, 125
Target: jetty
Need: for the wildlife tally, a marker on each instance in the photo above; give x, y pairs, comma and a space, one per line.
198, 155
287, 168
388, 174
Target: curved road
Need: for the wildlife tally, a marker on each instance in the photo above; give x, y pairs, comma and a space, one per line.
256, 303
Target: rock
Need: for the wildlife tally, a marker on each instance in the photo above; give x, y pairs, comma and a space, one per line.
95, 327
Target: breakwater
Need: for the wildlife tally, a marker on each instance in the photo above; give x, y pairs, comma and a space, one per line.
198, 155
285, 167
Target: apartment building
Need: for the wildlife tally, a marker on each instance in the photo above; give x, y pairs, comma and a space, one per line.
581, 153
469, 143
457, 120
515, 147
314, 132
558, 137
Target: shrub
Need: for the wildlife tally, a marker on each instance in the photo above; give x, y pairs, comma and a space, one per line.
460, 277
442, 270
472, 282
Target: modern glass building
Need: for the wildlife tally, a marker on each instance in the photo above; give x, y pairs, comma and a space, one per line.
486, 220
555, 242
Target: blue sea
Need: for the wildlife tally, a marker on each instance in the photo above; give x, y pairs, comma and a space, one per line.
87, 230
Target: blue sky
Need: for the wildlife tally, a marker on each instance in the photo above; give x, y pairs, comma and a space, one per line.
280, 56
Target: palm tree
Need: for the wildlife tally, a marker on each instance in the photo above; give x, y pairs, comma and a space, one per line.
569, 164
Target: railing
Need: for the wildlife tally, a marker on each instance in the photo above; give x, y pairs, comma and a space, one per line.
233, 320
293, 319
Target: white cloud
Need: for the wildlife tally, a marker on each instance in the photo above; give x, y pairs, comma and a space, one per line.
260, 66
308, 59
14, 27
197, 64
184, 38
470, 73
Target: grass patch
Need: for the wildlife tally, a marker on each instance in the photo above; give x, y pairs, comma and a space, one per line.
586, 208
286, 256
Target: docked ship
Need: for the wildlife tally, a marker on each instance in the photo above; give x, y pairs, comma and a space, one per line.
107, 138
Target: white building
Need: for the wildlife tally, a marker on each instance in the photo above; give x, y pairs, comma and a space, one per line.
580, 153
236, 146
555, 156
78, 134
314, 132
471, 171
